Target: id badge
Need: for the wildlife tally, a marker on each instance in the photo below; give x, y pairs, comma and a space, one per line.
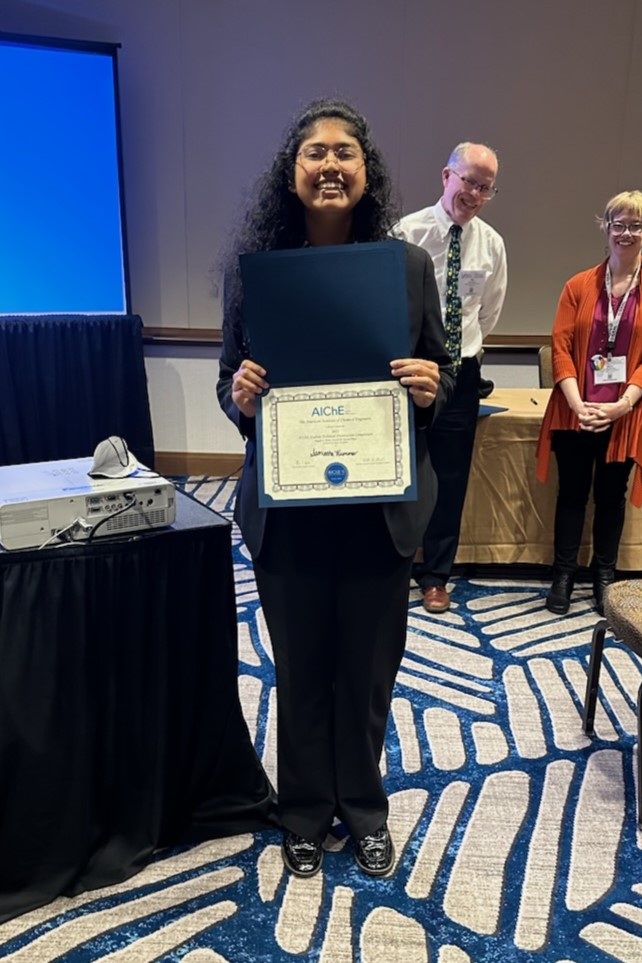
613, 372
471, 283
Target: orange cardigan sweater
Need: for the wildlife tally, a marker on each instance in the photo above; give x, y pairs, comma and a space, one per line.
571, 333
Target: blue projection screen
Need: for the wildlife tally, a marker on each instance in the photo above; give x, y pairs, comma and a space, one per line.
62, 239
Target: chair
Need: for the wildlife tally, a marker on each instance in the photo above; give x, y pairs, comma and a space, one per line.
623, 611
545, 364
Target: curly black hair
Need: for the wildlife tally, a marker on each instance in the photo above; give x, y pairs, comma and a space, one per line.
275, 218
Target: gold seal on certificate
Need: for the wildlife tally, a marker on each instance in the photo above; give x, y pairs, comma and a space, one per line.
336, 442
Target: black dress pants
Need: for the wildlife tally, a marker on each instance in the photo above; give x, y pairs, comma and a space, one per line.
450, 443
581, 461
335, 597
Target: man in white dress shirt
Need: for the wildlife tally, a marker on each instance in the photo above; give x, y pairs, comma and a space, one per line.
470, 269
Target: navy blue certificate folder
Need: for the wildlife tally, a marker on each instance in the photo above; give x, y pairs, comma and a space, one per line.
331, 315
327, 314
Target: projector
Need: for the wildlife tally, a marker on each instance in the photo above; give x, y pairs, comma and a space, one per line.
56, 501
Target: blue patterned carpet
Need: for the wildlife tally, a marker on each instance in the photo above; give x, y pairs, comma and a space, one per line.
515, 834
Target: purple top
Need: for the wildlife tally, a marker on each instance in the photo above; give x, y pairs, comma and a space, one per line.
598, 339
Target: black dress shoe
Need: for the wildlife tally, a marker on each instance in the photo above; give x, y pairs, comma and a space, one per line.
559, 594
486, 387
301, 856
375, 853
601, 579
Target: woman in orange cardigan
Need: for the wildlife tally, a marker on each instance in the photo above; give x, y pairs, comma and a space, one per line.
592, 423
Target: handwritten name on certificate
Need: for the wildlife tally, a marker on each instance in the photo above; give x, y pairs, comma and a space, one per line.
336, 442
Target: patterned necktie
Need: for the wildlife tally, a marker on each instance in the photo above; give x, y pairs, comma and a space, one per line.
452, 321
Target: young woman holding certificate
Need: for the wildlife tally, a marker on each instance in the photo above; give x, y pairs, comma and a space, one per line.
333, 579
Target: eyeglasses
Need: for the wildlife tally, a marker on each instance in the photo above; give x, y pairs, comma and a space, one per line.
348, 159
485, 192
619, 227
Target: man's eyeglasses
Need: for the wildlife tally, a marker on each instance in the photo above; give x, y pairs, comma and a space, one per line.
619, 227
348, 159
484, 191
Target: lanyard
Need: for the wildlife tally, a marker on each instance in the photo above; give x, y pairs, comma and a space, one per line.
614, 322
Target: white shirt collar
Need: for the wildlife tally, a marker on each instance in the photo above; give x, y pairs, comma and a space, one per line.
445, 222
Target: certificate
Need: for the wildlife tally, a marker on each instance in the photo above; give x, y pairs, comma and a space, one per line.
341, 442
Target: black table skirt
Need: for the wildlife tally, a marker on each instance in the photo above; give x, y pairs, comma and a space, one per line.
120, 723
68, 382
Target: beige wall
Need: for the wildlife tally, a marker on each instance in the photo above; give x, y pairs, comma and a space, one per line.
207, 87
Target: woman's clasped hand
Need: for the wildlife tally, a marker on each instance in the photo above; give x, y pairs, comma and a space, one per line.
598, 417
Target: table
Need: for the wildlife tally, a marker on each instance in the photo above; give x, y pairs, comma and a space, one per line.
120, 723
508, 515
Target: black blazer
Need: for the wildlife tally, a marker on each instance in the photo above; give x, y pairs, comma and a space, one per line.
406, 521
